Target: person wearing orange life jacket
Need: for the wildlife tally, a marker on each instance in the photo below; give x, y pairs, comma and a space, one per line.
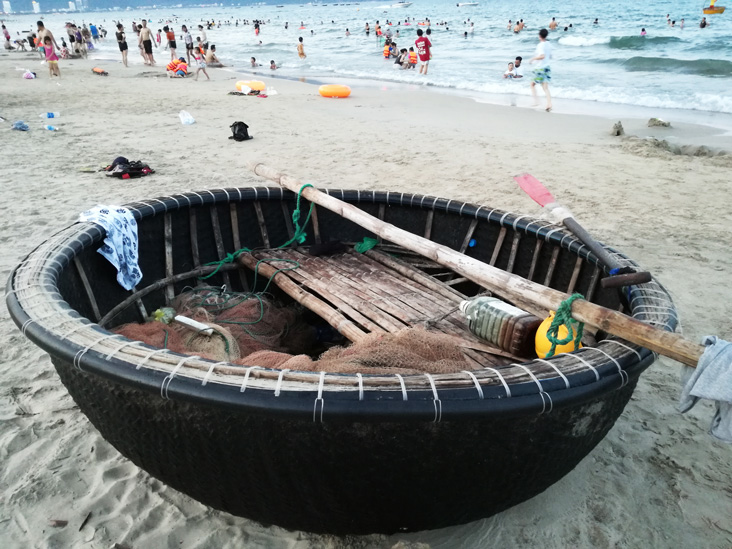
387, 49
412, 58
172, 65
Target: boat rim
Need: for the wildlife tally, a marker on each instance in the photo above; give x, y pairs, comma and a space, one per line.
43, 315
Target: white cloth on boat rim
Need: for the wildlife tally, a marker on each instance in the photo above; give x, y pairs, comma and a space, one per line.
120, 244
711, 379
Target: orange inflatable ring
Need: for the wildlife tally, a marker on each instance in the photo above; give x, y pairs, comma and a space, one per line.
255, 85
334, 90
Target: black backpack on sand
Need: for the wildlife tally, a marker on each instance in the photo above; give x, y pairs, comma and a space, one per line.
240, 131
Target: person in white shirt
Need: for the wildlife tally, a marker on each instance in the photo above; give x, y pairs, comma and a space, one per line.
517, 68
542, 73
511, 72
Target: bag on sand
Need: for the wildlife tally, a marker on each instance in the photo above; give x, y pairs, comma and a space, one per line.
240, 131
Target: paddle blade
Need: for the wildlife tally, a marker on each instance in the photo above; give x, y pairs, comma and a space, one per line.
533, 187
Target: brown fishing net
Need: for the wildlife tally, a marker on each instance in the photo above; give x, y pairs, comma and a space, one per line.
252, 330
408, 351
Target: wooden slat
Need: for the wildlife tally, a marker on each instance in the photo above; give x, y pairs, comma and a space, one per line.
194, 238
169, 291
288, 219
140, 308
499, 243
234, 214
262, 224
313, 274
535, 259
575, 275
416, 275
316, 225
552, 265
87, 289
342, 325
468, 236
219, 241
428, 224
308, 280
514, 251
593, 283
365, 292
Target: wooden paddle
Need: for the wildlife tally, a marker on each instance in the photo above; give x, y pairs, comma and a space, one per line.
614, 322
619, 275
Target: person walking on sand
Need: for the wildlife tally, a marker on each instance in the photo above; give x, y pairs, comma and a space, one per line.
542, 72
188, 39
42, 33
51, 57
301, 49
170, 37
146, 40
424, 51
122, 42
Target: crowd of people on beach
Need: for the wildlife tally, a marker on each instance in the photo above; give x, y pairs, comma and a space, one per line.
200, 55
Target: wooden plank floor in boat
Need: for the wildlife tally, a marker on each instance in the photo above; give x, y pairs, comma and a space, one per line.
382, 294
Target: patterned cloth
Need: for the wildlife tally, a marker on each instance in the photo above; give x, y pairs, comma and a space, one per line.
120, 245
542, 75
712, 379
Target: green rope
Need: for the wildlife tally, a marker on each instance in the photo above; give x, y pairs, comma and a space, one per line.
365, 245
299, 236
563, 317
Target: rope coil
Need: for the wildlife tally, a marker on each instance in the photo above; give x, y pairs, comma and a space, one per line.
563, 317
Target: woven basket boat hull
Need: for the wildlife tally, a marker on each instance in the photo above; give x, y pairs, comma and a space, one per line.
342, 454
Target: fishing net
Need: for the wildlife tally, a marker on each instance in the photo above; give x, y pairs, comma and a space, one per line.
252, 330
155, 334
408, 351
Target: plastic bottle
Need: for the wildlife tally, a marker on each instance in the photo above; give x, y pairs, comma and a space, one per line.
186, 118
50, 115
51, 128
507, 327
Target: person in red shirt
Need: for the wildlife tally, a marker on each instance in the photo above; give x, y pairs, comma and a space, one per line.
423, 51
170, 36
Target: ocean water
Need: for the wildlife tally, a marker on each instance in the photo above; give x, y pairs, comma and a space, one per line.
689, 68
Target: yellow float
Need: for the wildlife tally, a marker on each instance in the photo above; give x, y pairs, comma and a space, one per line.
334, 90
256, 85
543, 345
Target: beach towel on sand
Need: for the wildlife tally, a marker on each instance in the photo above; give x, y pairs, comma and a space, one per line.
711, 379
120, 244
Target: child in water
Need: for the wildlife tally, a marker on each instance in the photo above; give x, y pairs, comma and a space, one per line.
511, 72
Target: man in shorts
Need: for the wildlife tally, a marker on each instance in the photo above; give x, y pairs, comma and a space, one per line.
423, 51
42, 33
542, 73
147, 43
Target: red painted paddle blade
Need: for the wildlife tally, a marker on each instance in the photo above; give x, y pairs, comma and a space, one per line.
533, 187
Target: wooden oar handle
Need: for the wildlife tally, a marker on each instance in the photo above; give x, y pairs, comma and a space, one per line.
626, 279
579, 231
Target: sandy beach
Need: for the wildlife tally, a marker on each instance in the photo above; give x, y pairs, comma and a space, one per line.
657, 480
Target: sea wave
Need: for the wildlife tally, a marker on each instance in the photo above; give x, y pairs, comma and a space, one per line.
583, 41
640, 42
699, 67
618, 42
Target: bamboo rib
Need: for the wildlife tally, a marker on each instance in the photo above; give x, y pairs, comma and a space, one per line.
614, 322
